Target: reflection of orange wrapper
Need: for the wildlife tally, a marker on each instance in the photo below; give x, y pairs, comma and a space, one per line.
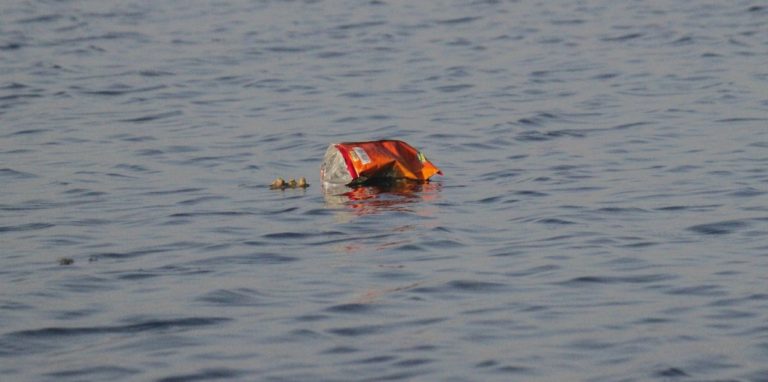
358, 162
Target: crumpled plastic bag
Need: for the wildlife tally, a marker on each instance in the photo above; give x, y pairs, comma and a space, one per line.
355, 163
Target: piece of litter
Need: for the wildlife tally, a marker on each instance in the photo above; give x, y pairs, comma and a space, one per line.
354, 163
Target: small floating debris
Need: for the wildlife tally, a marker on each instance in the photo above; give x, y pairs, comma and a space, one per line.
281, 184
66, 261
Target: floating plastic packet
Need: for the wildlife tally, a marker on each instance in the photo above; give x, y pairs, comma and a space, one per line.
353, 163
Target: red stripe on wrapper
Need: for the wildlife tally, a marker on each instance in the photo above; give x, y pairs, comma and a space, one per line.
350, 167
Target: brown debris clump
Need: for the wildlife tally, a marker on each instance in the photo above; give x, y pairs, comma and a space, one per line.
281, 184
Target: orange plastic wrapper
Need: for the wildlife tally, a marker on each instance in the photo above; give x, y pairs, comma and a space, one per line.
354, 163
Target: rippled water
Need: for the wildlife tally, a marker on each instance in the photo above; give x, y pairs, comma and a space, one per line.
603, 216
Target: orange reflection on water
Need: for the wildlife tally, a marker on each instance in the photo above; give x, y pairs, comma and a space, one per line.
407, 197
372, 199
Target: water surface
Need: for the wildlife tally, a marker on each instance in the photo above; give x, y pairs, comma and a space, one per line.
602, 218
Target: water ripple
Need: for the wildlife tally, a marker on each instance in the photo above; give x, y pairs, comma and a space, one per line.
155, 325
719, 228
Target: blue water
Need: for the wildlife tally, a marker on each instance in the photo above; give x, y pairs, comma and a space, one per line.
603, 214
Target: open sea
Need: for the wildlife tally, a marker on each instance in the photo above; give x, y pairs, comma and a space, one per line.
603, 214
